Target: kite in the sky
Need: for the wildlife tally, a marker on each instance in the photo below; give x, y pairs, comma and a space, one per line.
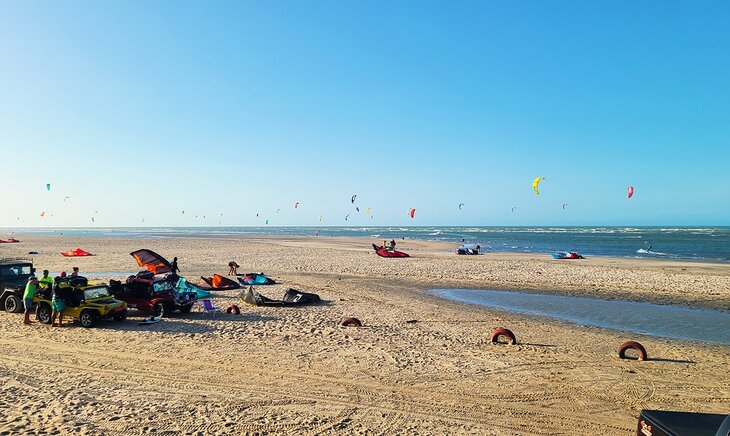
564, 204
631, 191
267, 221
460, 205
321, 218
346, 216
183, 212
66, 198
367, 210
92, 219
353, 198
412, 212
513, 209
535, 183
296, 205
48, 186
43, 214
357, 209
277, 210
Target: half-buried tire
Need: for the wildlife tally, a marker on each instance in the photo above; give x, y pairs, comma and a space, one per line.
233, 309
351, 322
631, 345
503, 332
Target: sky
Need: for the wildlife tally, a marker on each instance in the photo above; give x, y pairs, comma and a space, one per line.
140, 110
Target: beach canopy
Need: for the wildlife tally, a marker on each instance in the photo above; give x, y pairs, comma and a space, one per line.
220, 282
255, 279
292, 297
154, 263
76, 253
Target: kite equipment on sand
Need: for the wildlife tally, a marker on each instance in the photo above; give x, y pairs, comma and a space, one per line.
76, 253
255, 279
384, 252
566, 255
292, 297
220, 282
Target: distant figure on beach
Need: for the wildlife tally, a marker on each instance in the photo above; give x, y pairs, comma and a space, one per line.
478, 248
233, 268
57, 300
392, 244
75, 272
28, 295
173, 268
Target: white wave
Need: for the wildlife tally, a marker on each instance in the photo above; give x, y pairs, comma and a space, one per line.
656, 253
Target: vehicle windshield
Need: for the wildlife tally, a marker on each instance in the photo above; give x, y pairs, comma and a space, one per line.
14, 270
101, 291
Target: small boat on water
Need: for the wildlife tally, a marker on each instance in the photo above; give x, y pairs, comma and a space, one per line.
566, 255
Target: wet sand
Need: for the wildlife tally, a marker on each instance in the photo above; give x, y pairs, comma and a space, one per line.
294, 371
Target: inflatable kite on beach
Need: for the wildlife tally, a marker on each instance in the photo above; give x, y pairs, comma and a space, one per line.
384, 252
76, 253
535, 184
152, 261
220, 282
631, 191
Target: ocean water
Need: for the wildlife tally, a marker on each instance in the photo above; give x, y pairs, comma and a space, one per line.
695, 243
673, 322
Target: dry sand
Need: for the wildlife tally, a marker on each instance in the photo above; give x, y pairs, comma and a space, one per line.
294, 371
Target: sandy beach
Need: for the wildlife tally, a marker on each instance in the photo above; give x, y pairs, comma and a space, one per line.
295, 371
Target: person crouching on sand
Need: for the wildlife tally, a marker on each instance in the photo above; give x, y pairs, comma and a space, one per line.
28, 295
233, 268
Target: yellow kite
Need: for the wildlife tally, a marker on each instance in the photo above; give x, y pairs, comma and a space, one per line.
535, 183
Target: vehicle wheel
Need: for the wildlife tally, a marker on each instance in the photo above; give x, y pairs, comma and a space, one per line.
160, 309
43, 313
88, 318
120, 316
186, 309
13, 304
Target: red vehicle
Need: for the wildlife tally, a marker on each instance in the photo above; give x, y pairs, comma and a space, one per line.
155, 290
155, 294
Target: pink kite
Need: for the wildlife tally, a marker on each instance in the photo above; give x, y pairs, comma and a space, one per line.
76, 253
631, 191
8, 241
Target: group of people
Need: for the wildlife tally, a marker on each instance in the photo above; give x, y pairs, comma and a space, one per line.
61, 291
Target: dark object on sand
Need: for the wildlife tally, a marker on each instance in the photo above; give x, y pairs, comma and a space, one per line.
220, 282
667, 423
292, 297
503, 332
384, 252
471, 249
411, 321
351, 322
232, 308
631, 345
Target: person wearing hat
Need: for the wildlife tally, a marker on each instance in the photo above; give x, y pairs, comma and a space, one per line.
28, 295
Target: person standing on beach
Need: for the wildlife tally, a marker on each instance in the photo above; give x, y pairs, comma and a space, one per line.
233, 268
173, 268
75, 272
57, 304
28, 295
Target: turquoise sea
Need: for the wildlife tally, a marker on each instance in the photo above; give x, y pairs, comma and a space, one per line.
695, 243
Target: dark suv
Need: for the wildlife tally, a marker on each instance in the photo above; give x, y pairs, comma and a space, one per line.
14, 275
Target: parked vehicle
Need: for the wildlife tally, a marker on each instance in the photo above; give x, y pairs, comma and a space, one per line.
157, 294
14, 275
88, 305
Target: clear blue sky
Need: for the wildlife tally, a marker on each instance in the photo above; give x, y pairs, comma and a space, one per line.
145, 109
